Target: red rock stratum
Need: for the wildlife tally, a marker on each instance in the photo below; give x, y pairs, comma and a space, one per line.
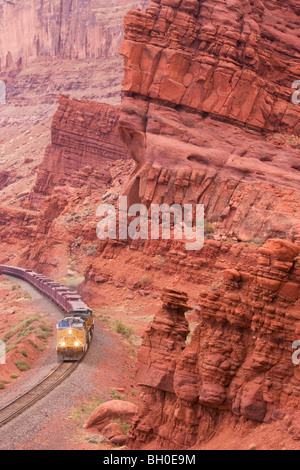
207, 87
238, 359
84, 139
72, 29
207, 104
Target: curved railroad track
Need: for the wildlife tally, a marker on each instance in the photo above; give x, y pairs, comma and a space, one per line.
38, 391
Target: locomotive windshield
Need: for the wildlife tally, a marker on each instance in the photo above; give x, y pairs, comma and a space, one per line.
70, 324
63, 324
77, 325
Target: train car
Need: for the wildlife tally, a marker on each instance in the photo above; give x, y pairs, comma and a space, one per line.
67, 297
35, 279
69, 301
28, 274
75, 331
42, 281
50, 288
58, 291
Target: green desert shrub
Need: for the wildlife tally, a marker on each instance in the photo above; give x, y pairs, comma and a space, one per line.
122, 329
208, 228
22, 365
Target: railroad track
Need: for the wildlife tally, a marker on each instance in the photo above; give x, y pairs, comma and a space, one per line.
38, 391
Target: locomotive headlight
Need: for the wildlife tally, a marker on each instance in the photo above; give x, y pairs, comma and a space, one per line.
76, 343
70, 332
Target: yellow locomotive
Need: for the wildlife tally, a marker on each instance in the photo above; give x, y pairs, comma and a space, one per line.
74, 335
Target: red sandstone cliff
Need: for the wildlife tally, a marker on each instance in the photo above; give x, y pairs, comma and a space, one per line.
206, 85
70, 29
84, 139
234, 60
238, 359
207, 88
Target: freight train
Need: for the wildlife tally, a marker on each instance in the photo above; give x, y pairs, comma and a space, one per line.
75, 331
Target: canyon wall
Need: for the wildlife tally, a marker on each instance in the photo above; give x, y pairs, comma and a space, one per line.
84, 139
207, 115
47, 48
237, 364
235, 60
79, 29
207, 92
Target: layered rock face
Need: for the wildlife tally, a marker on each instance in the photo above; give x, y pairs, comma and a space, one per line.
238, 359
206, 86
84, 138
70, 29
163, 342
234, 60
207, 93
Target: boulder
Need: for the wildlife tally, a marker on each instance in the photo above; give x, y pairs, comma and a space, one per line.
119, 440
110, 410
111, 430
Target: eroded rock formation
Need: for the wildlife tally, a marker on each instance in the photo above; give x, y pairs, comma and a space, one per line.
238, 359
79, 29
163, 342
206, 85
84, 139
235, 60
